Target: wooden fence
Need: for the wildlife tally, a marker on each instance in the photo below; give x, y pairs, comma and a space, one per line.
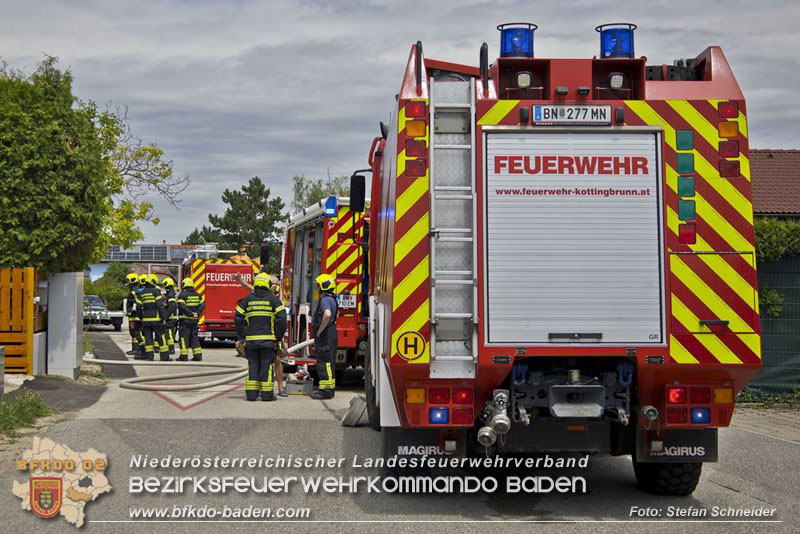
17, 311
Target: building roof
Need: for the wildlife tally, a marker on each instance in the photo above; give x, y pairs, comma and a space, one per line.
776, 181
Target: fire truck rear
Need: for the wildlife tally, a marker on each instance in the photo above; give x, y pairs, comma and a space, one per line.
325, 239
562, 257
217, 280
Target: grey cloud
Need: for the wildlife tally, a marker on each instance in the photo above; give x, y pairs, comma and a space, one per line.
236, 89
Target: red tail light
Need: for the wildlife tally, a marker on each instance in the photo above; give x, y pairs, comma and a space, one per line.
727, 110
687, 234
700, 395
729, 168
463, 396
202, 328
463, 416
729, 148
415, 167
439, 395
676, 395
417, 109
677, 416
416, 148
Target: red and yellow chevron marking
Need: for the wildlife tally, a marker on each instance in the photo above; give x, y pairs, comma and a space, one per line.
715, 278
411, 275
494, 114
198, 274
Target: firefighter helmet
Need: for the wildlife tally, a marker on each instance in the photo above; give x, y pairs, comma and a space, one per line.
132, 278
262, 280
187, 282
154, 279
168, 282
326, 282
144, 279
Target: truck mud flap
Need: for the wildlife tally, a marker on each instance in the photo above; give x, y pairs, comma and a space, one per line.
407, 442
679, 445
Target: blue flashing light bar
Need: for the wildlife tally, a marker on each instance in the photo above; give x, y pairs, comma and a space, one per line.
331, 205
516, 39
616, 40
701, 416
439, 416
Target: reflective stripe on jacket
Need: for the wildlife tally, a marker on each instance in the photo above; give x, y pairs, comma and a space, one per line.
150, 305
260, 316
190, 302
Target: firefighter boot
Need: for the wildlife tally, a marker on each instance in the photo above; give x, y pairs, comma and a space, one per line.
323, 394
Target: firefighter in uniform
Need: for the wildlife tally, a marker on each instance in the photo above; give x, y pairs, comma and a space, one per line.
171, 300
261, 322
190, 306
134, 326
323, 325
151, 310
161, 334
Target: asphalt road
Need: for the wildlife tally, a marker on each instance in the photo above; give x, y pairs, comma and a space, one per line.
755, 471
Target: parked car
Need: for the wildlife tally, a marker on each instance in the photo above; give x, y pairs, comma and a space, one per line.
95, 312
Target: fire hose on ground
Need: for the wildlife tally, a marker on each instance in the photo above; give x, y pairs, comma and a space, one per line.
236, 370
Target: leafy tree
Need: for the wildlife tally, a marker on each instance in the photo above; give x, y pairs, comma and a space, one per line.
72, 176
251, 217
201, 236
52, 199
307, 191
134, 170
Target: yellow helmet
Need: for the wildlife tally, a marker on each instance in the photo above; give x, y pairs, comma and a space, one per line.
326, 282
144, 278
262, 280
154, 279
187, 282
168, 282
132, 278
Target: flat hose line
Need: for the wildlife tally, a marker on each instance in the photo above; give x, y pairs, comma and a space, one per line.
236, 370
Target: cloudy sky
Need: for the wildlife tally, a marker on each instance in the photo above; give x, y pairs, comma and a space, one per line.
234, 88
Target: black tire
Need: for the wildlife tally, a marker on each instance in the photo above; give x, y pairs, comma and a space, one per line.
338, 375
671, 478
373, 413
117, 326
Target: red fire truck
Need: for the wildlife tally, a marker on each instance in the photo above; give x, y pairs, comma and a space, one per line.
326, 239
562, 257
216, 279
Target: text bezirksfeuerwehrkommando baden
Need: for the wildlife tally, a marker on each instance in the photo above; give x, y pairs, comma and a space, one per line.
285, 483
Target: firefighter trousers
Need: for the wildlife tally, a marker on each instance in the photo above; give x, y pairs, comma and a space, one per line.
151, 331
326, 360
170, 334
161, 343
260, 357
135, 329
190, 340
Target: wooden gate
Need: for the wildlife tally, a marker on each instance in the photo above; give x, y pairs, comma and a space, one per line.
17, 309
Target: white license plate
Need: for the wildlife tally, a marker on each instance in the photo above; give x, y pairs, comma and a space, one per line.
347, 301
204, 334
544, 114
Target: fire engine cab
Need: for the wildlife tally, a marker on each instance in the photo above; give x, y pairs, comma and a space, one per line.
562, 257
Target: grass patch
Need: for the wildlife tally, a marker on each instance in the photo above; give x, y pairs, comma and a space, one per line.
21, 411
87, 344
749, 394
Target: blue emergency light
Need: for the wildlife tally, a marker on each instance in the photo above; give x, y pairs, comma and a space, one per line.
439, 416
701, 416
330, 206
616, 40
516, 39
